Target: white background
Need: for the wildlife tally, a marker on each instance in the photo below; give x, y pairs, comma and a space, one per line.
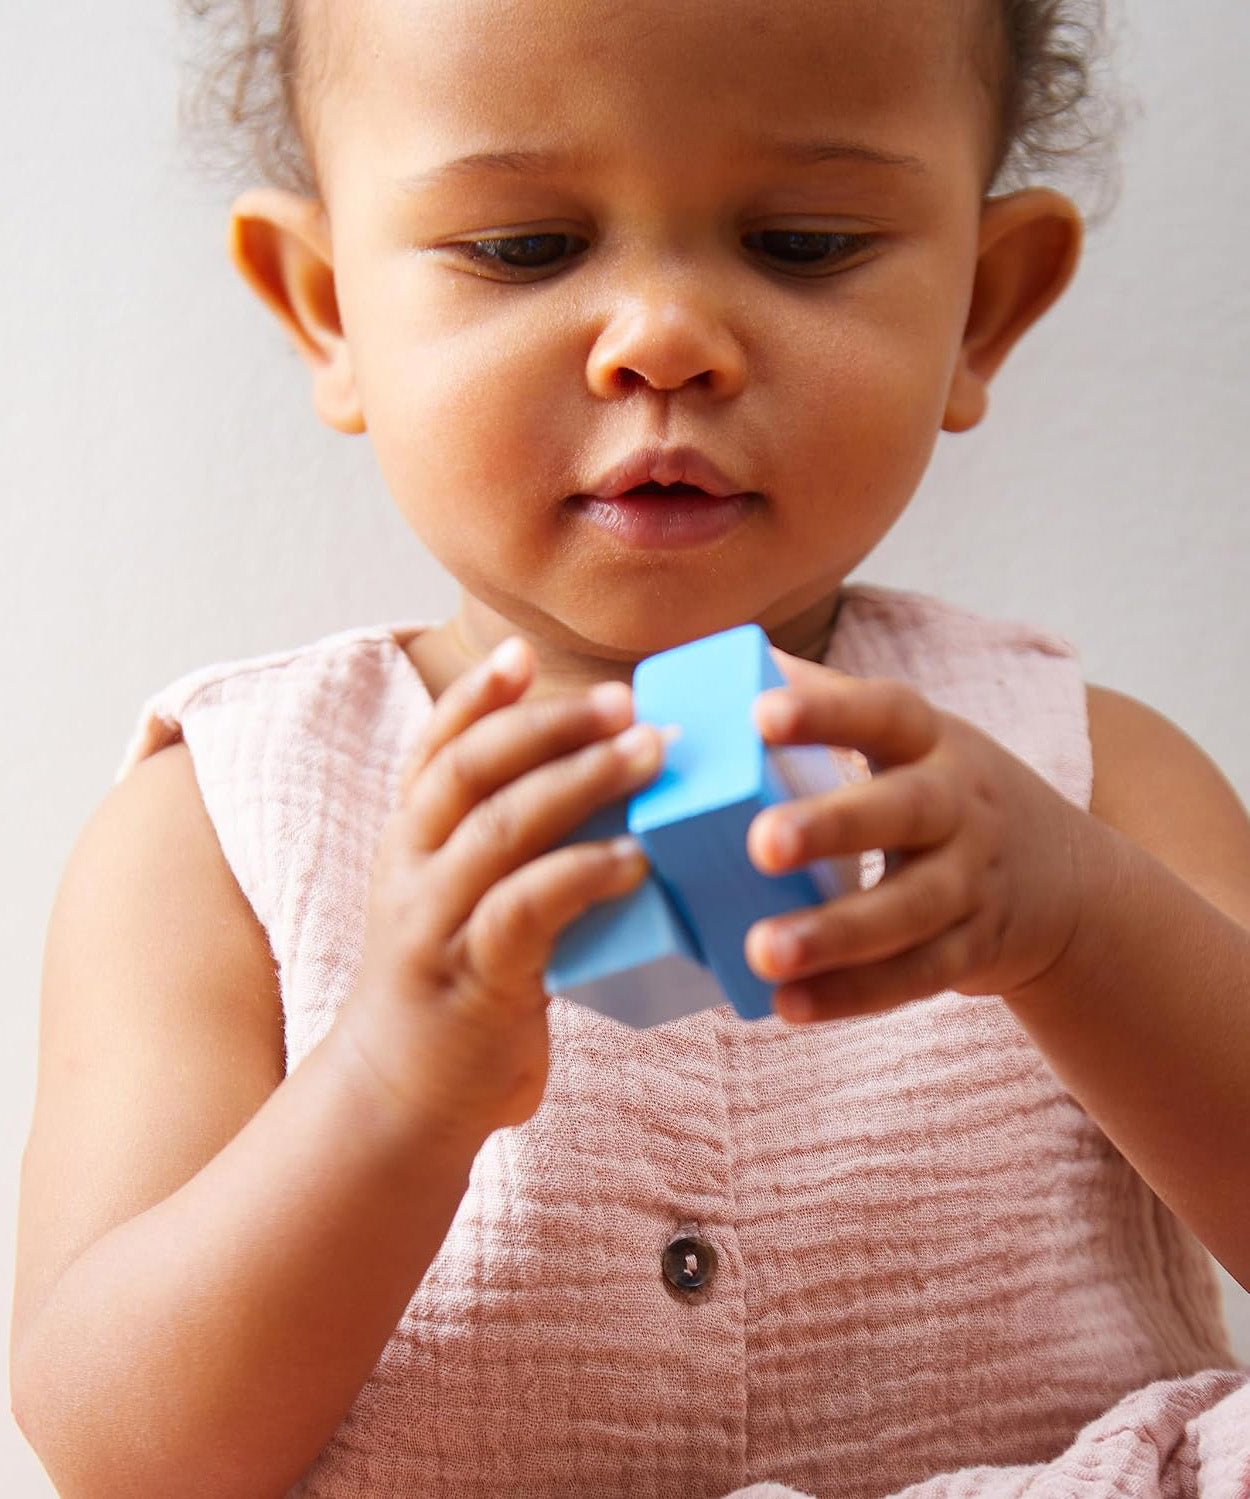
171, 499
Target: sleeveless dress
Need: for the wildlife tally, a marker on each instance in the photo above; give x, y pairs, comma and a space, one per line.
914, 1260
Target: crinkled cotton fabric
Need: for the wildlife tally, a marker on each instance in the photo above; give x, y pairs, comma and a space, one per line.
934, 1275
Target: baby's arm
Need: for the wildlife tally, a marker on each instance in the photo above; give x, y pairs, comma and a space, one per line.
1119, 937
211, 1259
1146, 1017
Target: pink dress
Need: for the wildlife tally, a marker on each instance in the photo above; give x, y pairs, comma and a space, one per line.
885, 1255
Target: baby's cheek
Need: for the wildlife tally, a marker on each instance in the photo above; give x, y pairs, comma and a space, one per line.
884, 412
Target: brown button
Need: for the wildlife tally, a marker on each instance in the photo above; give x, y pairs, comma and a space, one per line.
689, 1260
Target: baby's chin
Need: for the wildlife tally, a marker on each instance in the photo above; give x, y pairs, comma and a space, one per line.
625, 638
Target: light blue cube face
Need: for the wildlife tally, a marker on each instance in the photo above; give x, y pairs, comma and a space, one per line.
682, 933
707, 688
634, 960
617, 936
648, 994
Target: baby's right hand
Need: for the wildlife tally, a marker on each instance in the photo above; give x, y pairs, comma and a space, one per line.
468, 897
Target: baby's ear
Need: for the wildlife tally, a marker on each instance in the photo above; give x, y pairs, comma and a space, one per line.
1028, 248
280, 244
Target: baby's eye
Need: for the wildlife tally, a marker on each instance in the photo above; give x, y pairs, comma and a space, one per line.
797, 247
521, 252
517, 253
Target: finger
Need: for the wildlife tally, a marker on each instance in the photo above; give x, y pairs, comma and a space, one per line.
913, 807
919, 973
924, 899
498, 748
890, 722
527, 817
516, 924
500, 679
801, 671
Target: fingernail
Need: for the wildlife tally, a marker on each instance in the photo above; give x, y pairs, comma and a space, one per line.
777, 714
610, 700
627, 851
508, 659
785, 948
784, 840
637, 745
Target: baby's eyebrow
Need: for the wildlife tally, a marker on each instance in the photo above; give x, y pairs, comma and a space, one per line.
536, 163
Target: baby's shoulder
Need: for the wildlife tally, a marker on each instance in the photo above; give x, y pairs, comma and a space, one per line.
276, 691
147, 880
160, 1019
1158, 787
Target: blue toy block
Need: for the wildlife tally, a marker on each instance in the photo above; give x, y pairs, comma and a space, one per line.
633, 958
675, 945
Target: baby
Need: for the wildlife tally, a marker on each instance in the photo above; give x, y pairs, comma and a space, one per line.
653, 314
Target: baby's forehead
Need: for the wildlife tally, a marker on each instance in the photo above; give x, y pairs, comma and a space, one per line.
341, 36
412, 66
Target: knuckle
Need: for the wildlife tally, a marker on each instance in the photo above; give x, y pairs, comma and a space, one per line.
956, 950
844, 822
901, 705
916, 809
937, 966
618, 763
463, 764
839, 933
495, 823
555, 721
602, 758
955, 892
941, 802
500, 922
929, 902
424, 750
416, 761
573, 869
847, 935
989, 804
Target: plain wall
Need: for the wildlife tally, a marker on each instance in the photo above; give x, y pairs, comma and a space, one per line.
171, 499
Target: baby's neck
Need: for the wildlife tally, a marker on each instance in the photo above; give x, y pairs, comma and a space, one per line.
443, 652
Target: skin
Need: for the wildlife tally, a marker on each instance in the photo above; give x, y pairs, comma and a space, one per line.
822, 386
1116, 936
824, 391
490, 399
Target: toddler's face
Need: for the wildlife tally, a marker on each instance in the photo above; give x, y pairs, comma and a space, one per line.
682, 273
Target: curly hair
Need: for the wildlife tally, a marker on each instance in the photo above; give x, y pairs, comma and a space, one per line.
245, 108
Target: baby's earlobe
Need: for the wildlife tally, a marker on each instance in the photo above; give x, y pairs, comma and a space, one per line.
967, 401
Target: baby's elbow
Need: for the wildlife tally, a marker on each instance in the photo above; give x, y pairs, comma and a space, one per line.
39, 1405
36, 1418
80, 1457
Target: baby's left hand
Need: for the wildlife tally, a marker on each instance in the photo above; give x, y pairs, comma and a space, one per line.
982, 885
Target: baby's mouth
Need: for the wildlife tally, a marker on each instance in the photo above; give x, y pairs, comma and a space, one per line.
655, 515
669, 491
